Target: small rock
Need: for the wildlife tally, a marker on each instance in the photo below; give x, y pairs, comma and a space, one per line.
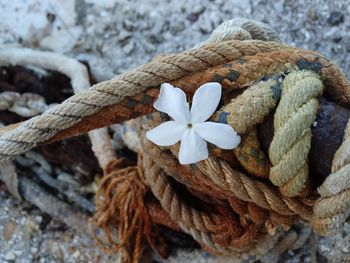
10, 256
59, 255
206, 26
129, 25
34, 250
198, 9
8, 230
177, 27
32, 226
313, 14
123, 36
148, 47
192, 17
38, 219
335, 18
128, 48
76, 254
155, 38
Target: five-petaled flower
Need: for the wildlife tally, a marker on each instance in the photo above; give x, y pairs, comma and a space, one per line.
190, 126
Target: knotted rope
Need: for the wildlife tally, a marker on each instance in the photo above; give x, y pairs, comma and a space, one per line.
235, 205
291, 143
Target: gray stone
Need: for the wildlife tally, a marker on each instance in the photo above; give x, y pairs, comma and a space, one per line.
335, 18
10, 255
129, 47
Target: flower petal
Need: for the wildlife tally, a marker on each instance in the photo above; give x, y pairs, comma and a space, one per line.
220, 134
173, 102
166, 134
205, 101
193, 148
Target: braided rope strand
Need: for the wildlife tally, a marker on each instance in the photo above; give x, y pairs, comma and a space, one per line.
291, 143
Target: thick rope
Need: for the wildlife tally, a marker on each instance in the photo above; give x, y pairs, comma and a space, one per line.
21, 138
251, 156
333, 208
243, 29
251, 107
236, 65
251, 190
216, 175
293, 119
120, 202
206, 229
195, 179
72, 68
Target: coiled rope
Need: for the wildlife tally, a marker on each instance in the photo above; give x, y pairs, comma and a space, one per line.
258, 76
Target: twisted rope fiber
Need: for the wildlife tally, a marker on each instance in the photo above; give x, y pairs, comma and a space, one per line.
194, 178
291, 143
244, 102
41, 128
163, 188
231, 183
243, 29
243, 113
120, 201
206, 229
240, 64
246, 111
332, 209
23, 137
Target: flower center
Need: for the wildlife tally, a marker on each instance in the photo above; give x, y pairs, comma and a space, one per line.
189, 125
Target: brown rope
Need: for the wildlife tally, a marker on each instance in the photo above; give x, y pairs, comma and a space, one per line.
120, 205
246, 207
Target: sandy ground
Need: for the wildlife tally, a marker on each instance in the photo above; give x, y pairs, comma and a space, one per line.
116, 35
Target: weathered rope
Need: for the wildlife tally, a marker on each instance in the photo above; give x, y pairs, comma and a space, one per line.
252, 106
58, 120
25, 105
206, 229
229, 182
257, 77
293, 119
333, 208
251, 156
243, 29
120, 201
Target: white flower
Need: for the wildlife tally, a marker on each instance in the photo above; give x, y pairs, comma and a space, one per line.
189, 126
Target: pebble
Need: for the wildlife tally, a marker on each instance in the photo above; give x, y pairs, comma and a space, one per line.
34, 250
129, 25
198, 9
192, 17
76, 254
9, 229
206, 26
335, 18
313, 14
10, 256
124, 35
129, 47
148, 47
177, 27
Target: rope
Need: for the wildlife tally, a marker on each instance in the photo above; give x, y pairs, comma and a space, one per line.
206, 229
20, 138
251, 156
243, 29
291, 143
227, 182
120, 201
333, 207
234, 211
